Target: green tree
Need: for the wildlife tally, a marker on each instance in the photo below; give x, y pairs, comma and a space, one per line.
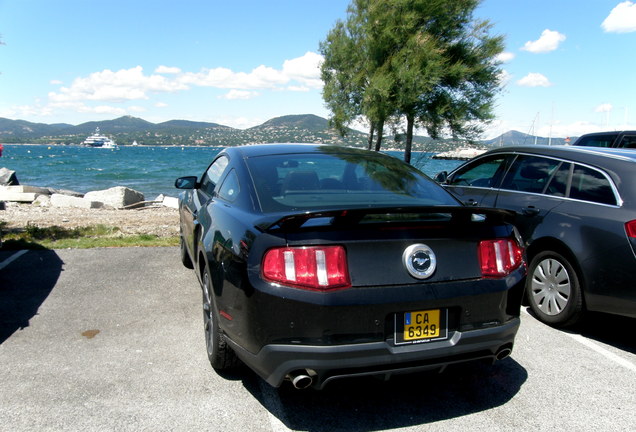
353, 86
426, 62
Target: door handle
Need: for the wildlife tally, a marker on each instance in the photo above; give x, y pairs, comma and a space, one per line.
471, 202
530, 211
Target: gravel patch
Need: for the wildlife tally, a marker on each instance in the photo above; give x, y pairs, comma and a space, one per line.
158, 220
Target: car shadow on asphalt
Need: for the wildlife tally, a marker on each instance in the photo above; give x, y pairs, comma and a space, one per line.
24, 287
404, 400
614, 330
617, 331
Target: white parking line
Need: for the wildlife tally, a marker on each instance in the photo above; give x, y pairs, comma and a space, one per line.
12, 258
602, 351
599, 349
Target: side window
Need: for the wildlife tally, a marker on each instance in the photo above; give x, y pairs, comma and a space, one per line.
530, 174
482, 174
230, 187
628, 141
213, 175
558, 186
591, 185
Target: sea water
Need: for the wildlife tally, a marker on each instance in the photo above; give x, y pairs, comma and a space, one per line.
150, 170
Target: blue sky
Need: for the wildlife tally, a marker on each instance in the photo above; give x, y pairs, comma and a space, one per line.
569, 65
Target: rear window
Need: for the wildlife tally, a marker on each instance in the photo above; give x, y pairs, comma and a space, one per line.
340, 180
596, 141
590, 185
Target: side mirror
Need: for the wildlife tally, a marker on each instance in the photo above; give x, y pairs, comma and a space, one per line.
189, 182
441, 177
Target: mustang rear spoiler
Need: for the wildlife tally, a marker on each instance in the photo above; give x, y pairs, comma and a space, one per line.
348, 217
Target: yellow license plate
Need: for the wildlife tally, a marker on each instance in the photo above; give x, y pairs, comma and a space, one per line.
422, 325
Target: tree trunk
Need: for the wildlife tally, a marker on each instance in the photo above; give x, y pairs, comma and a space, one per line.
410, 120
378, 141
371, 132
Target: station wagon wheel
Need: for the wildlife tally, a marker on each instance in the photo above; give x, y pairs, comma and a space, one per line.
553, 289
220, 354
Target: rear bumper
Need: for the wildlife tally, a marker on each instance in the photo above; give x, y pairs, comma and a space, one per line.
275, 362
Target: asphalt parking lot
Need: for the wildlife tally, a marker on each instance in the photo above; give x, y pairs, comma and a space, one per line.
112, 340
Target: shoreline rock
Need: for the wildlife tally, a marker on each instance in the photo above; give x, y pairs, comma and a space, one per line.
118, 197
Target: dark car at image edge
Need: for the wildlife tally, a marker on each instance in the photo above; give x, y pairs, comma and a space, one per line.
320, 262
612, 139
575, 208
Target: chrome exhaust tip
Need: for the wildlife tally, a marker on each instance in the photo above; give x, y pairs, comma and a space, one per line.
503, 353
301, 379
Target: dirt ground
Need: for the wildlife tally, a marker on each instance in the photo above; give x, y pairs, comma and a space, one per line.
158, 220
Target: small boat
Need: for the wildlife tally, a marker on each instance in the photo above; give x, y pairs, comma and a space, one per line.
98, 140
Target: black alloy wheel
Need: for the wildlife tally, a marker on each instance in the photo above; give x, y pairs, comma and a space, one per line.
220, 354
553, 290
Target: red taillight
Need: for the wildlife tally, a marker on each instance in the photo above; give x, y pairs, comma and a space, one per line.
315, 268
630, 229
499, 257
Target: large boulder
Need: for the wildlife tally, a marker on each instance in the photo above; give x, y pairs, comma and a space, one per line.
8, 177
21, 193
117, 197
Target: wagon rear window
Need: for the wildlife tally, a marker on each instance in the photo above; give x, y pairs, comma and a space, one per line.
591, 185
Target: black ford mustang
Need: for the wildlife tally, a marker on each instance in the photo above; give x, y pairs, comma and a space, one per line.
320, 262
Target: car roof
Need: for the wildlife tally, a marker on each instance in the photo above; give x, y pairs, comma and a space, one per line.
593, 155
609, 133
256, 150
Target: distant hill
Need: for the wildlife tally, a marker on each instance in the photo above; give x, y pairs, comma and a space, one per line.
292, 128
304, 121
186, 124
22, 128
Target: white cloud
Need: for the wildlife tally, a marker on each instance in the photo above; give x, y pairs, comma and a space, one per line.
123, 85
262, 77
161, 105
305, 69
168, 70
534, 79
295, 75
297, 88
56, 82
549, 41
603, 108
505, 57
622, 19
239, 94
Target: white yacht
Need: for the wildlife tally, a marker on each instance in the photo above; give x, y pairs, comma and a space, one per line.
99, 140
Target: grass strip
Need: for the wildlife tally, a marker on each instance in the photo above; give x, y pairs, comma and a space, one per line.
55, 237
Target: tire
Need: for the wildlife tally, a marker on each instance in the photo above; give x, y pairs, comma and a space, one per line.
554, 290
220, 354
183, 252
